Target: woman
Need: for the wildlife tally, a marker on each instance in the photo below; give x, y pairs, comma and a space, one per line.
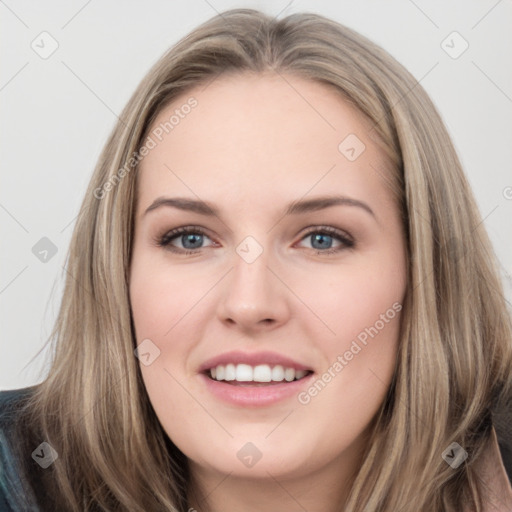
253, 371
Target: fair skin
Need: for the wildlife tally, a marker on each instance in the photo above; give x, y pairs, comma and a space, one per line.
251, 146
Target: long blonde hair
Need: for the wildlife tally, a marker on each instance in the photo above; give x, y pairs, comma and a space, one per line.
455, 350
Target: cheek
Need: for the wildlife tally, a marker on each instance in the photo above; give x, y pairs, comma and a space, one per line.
362, 308
160, 297
157, 312
351, 387
346, 301
165, 306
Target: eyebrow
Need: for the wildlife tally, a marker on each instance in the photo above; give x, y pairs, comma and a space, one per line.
294, 208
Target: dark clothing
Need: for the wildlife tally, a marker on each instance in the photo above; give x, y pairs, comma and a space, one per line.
14, 496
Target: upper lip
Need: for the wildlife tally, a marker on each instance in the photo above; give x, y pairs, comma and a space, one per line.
253, 359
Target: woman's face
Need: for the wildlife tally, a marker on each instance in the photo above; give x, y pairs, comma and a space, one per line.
302, 267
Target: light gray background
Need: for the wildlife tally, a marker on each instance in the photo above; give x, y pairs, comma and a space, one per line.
57, 113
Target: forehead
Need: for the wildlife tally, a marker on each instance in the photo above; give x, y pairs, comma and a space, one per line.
256, 134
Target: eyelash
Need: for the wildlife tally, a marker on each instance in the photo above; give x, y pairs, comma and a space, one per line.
165, 240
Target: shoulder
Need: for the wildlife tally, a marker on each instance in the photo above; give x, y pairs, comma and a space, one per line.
11, 398
493, 476
11, 402
13, 491
502, 420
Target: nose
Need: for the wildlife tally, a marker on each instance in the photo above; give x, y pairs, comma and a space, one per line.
253, 297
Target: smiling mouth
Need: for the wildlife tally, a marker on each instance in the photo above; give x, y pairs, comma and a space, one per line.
259, 376
253, 384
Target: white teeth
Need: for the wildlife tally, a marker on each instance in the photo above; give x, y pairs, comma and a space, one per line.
289, 374
259, 373
243, 373
221, 371
278, 373
262, 373
230, 372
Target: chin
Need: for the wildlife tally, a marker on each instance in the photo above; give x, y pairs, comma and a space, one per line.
258, 458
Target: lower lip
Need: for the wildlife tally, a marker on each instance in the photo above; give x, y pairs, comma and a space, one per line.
255, 395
